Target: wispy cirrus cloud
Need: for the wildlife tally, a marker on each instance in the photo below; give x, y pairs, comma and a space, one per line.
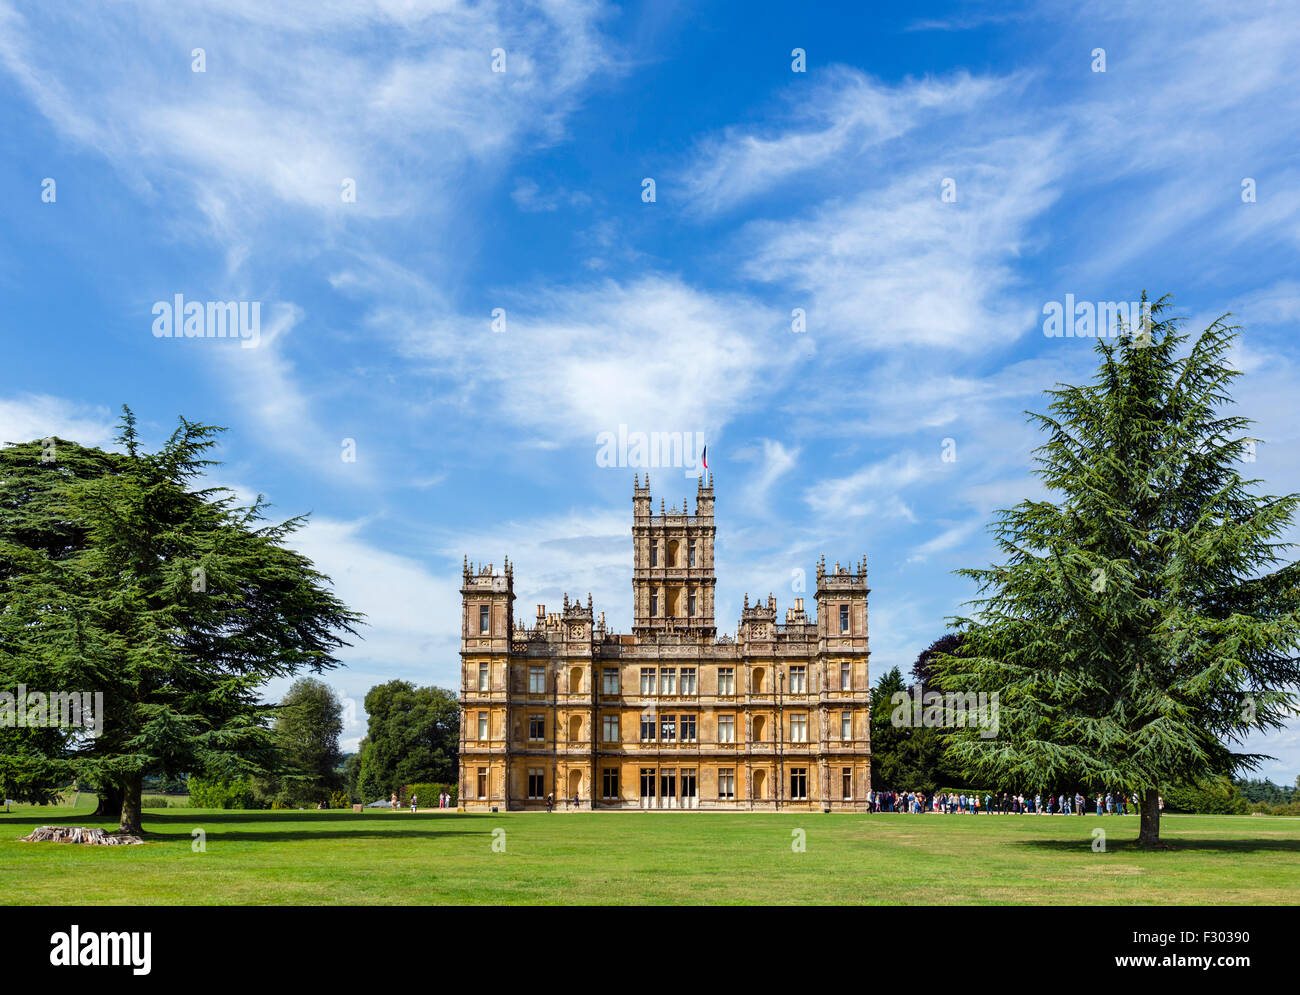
847, 118
257, 128
655, 354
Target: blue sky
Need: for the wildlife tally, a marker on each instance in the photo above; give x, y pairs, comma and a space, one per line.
522, 190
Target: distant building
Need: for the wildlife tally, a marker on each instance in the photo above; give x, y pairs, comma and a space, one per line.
670, 715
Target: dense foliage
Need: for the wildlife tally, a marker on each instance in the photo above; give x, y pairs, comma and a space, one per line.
121, 575
308, 723
1145, 621
413, 736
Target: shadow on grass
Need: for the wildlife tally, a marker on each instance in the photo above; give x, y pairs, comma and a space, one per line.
294, 835
1170, 846
308, 825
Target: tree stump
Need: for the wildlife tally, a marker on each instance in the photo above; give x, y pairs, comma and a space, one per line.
79, 834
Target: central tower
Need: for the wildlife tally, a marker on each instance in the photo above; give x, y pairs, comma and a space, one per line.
672, 564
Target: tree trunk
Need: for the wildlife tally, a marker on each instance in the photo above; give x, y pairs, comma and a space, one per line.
130, 822
110, 800
1149, 827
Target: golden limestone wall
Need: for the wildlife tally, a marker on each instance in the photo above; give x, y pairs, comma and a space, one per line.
667, 749
670, 716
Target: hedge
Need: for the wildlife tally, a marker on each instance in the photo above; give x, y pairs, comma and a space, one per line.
427, 794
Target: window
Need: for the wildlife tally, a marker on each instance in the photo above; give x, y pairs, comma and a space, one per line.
668, 729
484, 679
536, 782
609, 728
798, 783
727, 783
482, 782
611, 681
688, 728
846, 676
536, 680
668, 680
846, 783
647, 782
846, 726
726, 728
690, 559
799, 727
654, 605
798, 680
482, 725
688, 680
654, 556
726, 680
609, 783
648, 682
668, 783
844, 618
690, 606
647, 728
536, 727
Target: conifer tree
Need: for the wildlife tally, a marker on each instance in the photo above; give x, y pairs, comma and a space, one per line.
1145, 619
119, 576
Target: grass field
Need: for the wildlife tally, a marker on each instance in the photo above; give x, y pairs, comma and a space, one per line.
341, 857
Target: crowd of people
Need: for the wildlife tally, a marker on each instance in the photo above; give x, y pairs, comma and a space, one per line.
1007, 803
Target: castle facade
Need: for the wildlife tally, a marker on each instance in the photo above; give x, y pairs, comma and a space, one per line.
670, 715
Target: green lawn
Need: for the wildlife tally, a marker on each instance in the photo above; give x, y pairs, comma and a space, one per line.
669, 858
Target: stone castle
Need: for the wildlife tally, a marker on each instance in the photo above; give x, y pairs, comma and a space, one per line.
670, 715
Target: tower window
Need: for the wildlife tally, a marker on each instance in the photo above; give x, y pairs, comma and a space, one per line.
690, 606
844, 618
654, 605
690, 557
484, 619
654, 554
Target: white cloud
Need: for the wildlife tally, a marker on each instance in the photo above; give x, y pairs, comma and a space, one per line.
297, 96
412, 612
577, 553
654, 354
846, 116
39, 416
774, 462
875, 489
530, 197
895, 267
948, 539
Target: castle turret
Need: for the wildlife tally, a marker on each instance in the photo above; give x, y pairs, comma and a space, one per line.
672, 568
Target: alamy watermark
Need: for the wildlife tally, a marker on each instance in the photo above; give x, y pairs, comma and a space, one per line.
643, 450
1097, 319
179, 318
914, 709
58, 709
